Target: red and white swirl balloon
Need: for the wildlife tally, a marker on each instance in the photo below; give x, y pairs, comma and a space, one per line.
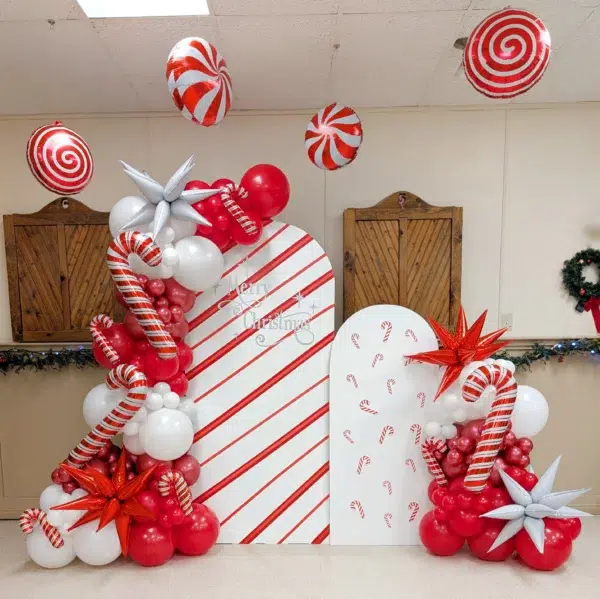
507, 53
59, 159
199, 81
333, 137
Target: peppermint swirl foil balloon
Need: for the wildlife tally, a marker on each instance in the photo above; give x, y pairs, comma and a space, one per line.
59, 159
333, 137
507, 53
199, 81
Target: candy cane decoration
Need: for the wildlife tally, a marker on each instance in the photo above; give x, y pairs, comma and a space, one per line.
117, 258
386, 326
410, 333
364, 406
413, 506
386, 431
352, 379
410, 463
234, 209
388, 485
136, 384
30, 517
388, 520
364, 461
377, 358
347, 436
428, 448
98, 324
422, 397
390, 384
174, 480
496, 422
354, 338
357, 507
416, 428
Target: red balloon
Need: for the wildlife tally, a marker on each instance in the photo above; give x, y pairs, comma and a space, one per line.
557, 548
149, 544
69, 487
525, 445
454, 457
189, 466
121, 299
151, 501
132, 326
179, 384
159, 369
180, 296
437, 537
221, 183
145, 462
155, 287
221, 239
433, 486
529, 481
473, 429
466, 524
453, 470
120, 341
98, 465
465, 444
164, 314
239, 235
480, 544
509, 439
179, 330
268, 190
198, 533
570, 526
176, 314
138, 361
513, 455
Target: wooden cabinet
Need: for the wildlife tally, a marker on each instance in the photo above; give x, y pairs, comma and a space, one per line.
406, 252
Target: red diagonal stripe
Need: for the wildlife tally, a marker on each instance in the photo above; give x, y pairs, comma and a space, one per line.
259, 424
287, 369
257, 276
265, 453
276, 477
246, 334
258, 356
321, 536
303, 488
303, 520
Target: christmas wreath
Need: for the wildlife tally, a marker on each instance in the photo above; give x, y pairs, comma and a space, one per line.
586, 292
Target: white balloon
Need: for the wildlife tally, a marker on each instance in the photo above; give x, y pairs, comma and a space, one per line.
433, 429
162, 271
154, 401
51, 496
167, 434
506, 364
170, 256
189, 407
531, 412
123, 211
451, 401
131, 428
162, 388
200, 265
449, 431
99, 402
71, 516
41, 551
171, 400
181, 228
96, 548
140, 415
165, 237
489, 361
133, 444
460, 415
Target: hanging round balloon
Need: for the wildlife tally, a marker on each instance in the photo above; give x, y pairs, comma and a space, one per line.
333, 137
199, 81
60, 159
507, 53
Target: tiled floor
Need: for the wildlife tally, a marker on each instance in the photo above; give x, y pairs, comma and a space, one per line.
306, 572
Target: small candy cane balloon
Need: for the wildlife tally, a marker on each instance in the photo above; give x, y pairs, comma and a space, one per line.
174, 480
428, 449
97, 326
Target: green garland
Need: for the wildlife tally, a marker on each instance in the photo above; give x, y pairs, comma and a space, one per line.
17, 359
574, 281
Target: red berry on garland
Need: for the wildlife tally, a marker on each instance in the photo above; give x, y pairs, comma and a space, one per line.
588, 261
582, 292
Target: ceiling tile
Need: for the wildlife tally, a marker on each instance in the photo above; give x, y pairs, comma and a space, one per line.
386, 60
390, 6
31, 10
273, 7
278, 62
65, 67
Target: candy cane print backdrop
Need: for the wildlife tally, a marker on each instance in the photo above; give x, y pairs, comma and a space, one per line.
260, 378
377, 402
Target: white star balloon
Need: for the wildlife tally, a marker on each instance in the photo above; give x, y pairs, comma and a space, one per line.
529, 509
170, 200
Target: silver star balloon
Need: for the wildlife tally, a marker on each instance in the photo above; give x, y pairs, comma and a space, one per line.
170, 200
529, 509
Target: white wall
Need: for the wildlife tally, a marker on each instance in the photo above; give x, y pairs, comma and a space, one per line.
527, 179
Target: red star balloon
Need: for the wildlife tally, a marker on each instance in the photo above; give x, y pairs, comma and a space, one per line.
109, 498
458, 349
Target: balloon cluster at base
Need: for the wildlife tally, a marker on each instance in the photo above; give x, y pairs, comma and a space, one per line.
138, 500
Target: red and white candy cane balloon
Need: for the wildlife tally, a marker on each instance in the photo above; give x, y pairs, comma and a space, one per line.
135, 382
428, 449
250, 228
59, 159
97, 326
199, 81
507, 53
174, 480
333, 137
28, 519
117, 258
496, 421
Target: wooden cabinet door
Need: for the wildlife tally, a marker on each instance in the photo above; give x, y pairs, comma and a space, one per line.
406, 252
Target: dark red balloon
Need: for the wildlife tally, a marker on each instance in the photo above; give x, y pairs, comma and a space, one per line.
438, 538
525, 445
144, 462
198, 533
155, 287
159, 369
185, 355
189, 466
149, 544
120, 341
268, 190
557, 548
179, 295
570, 526
151, 501
480, 544
179, 330
179, 384
98, 465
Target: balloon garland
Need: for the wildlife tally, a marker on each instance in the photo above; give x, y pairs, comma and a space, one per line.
586, 292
